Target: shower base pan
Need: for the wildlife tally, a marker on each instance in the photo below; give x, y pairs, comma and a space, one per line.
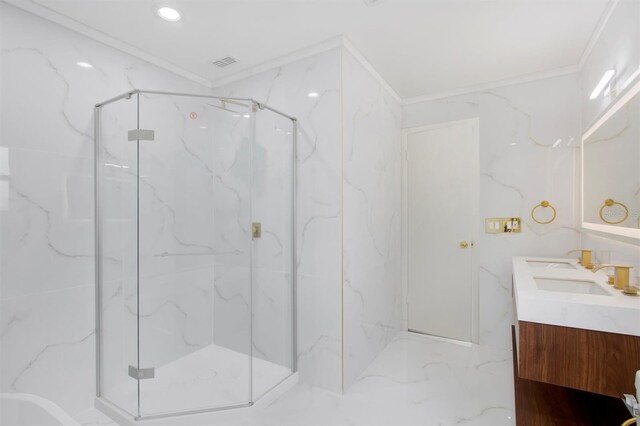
210, 379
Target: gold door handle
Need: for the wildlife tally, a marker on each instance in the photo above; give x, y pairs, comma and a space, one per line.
464, 244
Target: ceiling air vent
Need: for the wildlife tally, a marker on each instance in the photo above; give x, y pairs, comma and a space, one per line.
221, 63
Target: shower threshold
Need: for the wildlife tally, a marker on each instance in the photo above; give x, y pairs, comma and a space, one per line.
208, 380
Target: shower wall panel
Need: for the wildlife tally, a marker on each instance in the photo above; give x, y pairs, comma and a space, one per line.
372, 277
288, 88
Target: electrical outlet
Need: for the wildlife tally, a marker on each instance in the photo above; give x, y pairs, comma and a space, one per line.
501, 225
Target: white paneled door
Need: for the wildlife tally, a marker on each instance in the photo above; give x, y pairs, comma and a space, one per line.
441, 212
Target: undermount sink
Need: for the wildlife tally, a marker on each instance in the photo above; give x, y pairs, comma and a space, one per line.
550, 265
570, 286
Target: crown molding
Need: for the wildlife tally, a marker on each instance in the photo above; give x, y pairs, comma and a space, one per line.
572, 69
72, 24
332, 43
306, 52
324, 46
597, 32
350, 47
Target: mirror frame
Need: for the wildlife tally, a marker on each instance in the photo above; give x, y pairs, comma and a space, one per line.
611, 230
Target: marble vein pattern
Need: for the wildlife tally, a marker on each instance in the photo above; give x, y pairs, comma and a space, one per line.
415, 380
46, 214
318, 207
372, 290
529, 142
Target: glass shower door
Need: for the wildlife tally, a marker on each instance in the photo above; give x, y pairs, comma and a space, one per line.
194, 254
272, 260
116, 224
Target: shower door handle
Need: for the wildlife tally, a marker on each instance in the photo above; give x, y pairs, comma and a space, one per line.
256, 230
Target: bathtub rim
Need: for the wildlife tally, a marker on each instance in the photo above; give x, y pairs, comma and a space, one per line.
49, 406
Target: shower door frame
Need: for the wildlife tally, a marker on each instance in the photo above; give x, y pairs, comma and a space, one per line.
256, 106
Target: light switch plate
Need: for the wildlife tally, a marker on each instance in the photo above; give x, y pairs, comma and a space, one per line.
501, 225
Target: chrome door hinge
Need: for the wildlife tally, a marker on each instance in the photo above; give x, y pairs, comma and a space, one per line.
141, 135
141, 373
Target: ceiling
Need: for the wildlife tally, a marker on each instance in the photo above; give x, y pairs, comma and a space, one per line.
420, 47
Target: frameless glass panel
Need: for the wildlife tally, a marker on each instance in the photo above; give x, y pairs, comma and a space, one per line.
194, 259
116, 167
272, 208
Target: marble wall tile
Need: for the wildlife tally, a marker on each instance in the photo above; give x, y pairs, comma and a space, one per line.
46, 222
519, 167
372, 307
48, 346
318, 200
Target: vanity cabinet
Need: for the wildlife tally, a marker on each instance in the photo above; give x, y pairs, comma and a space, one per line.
543, 404
593, 361
576, 344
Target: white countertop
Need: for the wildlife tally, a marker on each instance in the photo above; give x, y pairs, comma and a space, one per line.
614, 313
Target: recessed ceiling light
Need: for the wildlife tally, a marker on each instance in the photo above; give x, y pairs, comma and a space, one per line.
313, 94
601, 84
169, 14
246, 116
84, 64
557, 143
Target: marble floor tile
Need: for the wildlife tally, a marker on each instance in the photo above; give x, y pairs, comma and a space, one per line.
416, 380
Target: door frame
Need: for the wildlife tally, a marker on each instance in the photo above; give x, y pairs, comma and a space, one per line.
475, 312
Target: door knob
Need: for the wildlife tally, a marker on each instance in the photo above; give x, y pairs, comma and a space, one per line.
464, 244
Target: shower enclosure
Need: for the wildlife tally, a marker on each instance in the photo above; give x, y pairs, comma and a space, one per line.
195, 272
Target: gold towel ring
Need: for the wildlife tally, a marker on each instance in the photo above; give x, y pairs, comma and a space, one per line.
544, 204
608, 203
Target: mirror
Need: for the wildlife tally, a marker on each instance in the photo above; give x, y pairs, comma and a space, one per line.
611, 169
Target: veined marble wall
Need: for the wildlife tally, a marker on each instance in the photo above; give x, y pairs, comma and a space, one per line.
617, 48
319, 208
372, 275
358, 277
46, 191
193, 234
529, 137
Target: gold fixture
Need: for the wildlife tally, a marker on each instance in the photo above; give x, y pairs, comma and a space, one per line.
500, 225
256, 230
621, 280
464, 244
610, 278
609, 203
585, 257
544, 204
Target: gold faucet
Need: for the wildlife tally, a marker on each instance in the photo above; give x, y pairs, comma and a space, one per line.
621, 280
585, 257
610, 278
